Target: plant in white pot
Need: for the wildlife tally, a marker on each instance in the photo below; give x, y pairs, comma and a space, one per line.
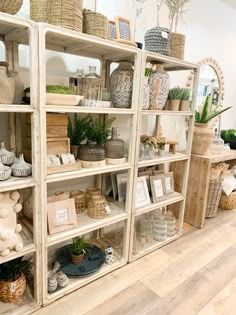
202, 134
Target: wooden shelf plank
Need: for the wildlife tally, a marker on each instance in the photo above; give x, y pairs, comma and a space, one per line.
164, 159
16, 183
12, 108
93, 110
216, 158
166, 112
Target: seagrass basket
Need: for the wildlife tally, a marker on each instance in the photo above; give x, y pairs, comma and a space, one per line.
213, 199
91, 191
12, 291
38, 10
228, 202
95, 24
10, 6
177, 45
97, 207
66, 13
78, 196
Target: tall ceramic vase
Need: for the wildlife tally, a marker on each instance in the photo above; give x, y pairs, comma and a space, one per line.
159, 88
202, 139
121, 85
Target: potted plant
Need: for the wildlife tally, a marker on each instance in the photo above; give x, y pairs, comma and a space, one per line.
77, 132
185, 99
12, 280
161, 142
229, 136
79, 248
202, 134
174, 98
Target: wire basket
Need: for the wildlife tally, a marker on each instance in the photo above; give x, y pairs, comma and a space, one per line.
12, 291
97, 207
66, 13
213, 199
177, 45
38, 10
95, 24
78, 196
10, 6
228, 202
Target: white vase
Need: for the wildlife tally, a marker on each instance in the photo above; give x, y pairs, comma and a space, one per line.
21, 168
6, 156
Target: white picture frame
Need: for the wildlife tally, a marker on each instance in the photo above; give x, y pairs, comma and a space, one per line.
142, 197
169, 183
157, 187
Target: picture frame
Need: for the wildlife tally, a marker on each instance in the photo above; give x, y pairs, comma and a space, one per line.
121, 185
123, 29
61, 216
112, 29
147, 175
114, 185
157, 187
142, 197
158, 172
169, 183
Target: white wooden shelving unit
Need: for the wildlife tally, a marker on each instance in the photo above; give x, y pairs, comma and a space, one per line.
61, 40
15, 31
177, 199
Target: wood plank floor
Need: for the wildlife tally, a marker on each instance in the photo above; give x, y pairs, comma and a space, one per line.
196, 274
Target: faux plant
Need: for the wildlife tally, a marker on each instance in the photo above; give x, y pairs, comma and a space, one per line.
175, 93
176, 11
79, 246
157, 142
10, 271
228, 135
100, 129
185, 94
77, 131
206, 115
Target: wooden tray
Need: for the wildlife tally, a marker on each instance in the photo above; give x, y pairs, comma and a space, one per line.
62, 99
63, 168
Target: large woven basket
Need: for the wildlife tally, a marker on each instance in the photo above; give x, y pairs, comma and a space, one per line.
157, 40
213, 199
38, 10
78, 196
12, 291
95, 24
228, 202
97, 207
10, 6
177, 45
66, 13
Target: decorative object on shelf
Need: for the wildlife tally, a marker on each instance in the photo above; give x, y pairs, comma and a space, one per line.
141, 151
58, 196
12, 280
66, 13
109, 257
171, 223
217, 145
5, 171
74, 82
228, 202
149, 151
142, 196
59, 163
172, 146
6, 156
79, 198
52, 283
9, 229
38, 10
95, 24
20, 168
122, 85
121, 179
177, 45
79, 248
159, 88
174, 98
98, 207
62, 279
91, 152
185, 100
123, 31
106, 95
202, 134
169, 183
28, 203
160, 228
229, 136
138, 10
61, 216
115, 148
19, 87
146, 93
157, 187
91, 191
10, 6
7, 85
112, 29
213, 197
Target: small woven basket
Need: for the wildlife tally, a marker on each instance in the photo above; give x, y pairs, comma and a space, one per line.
10, 6
78, 195
92, 191
66, 13
213, 199
177, 45
12, 291
95, 24
97, 207
38, 10
228, 202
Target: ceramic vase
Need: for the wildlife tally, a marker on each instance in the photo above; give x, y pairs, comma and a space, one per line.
7, 87
5, 171
202, 139
19, 87
62, 279
146, 93
21, 168
115, 147
52, 283
122, 85
6, 156
159, 88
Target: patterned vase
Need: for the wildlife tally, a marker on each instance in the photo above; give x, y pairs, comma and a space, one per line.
115, 147
7, 86
121, 85
146, 93
159, 88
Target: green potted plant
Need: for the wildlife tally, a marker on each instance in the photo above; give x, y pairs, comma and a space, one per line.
174, 98
79, 248
202, 134
229, 136
185, 99
12, 280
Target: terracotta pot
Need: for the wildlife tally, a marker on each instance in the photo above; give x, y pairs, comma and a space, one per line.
184, 105
202, 138
174, 105
77, 259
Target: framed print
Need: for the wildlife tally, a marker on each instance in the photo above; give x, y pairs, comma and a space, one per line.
169, 183
61, 216
121, 185
158, 172
122, 28
112, 29
114, 185
142, 197
157, 187
147, 175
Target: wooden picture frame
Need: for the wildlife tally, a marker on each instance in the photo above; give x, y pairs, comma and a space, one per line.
61, 216
142, 197
123, 28
112, 29
157, 187
169, 183
121, 179
147, 175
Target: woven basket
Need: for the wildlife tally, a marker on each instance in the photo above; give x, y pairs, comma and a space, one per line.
12, 291
177, 45
228, 202
38, 10
213, 199
95, 24
97, 207
92, 191
78, 195
10, 6
66, 13
157, 40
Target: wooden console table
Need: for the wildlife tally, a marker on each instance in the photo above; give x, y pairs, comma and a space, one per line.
198, 184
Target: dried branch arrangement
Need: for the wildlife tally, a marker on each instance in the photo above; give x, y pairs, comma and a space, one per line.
176, 11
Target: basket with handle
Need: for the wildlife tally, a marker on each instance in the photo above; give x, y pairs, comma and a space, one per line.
213, 199
10, 6
95, 24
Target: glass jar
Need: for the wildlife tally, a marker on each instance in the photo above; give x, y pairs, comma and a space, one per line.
149, 152
217, 145
74, 82
115, 147
141, 151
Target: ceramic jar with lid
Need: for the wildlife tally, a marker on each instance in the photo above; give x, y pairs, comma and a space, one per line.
6, 156
7, 85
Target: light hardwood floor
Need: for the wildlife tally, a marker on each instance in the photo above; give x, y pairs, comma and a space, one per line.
193, 275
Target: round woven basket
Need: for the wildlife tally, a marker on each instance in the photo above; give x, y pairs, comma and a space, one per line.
12, 291
78, 196
10, 6
228, 202
92, 191
66, 13
177, 44
97, 207
95, 24
38, 10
